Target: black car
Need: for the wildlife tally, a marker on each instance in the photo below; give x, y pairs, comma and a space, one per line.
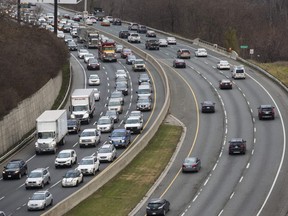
73, 125
72, 46
116, 21
141, 29
157, 206
266, 112
207, 107
93, 64
15, 169
124, 34
66, 28
179, 63
237, 146
130, 59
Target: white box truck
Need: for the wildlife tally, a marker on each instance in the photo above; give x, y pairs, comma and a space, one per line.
51, 128
82, 104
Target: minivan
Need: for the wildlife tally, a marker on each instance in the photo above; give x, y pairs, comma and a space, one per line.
238, 72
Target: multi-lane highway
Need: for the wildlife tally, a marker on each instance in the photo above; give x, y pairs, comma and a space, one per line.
251, 184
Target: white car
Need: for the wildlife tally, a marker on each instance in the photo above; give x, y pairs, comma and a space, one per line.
163, 42
89, 165
106, 152
201, 52
110, 18
93, 18
93, 79
38, 178
171, 40
88, 137
134, 124
223, 65
119, 48
96, 94
88, 56
137, 113
120, 73
72, 178
82, 52
40, 200
134, 38
105, 124
66, 157
60, 34
115, 104
89, 21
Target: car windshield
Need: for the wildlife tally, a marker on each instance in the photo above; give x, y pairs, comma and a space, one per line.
38, 196
104, 150
80, 108
46, 135
114, 103
118, 134
267, 109
104, 121
138, 62
71, 174
190, 160
132, 121
144, 91
12, 165
86, 162
93, 77
71, 122
87, 133
35, 175
154, 205
63, 155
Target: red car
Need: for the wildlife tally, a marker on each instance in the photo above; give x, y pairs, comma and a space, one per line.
225, 84
179, 63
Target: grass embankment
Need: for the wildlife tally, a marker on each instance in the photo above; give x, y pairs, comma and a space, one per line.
120, 195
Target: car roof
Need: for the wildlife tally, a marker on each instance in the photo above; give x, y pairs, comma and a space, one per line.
66, 150
236, 140
119, 130
105, 117
38, 169
91, 157
208, 102
15, 161
156, 200
225, 80
89, 129
179, 60
106, 146
266, 106
41, 192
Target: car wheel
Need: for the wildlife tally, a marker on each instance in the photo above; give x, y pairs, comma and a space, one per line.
42, 185
51, 202
164, 212
44, 207
26, 172
77, 183
75, 160
19, 175
94, 172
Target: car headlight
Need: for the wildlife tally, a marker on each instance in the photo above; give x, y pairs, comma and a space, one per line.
86, 115
38, 181
36, 144
123, 141
72, 116
4, 171
110, 141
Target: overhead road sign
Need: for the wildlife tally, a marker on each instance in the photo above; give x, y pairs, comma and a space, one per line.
244, 46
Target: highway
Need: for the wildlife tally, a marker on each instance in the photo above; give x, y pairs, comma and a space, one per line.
251, 184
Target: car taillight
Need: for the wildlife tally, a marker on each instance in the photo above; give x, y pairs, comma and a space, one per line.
194, 165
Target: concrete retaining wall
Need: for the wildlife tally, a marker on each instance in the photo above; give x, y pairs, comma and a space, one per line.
21, 120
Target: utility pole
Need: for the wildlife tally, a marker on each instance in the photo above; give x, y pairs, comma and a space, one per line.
18, 11
55, 15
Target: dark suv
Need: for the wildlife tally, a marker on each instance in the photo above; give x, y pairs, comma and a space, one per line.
124, 34
237, 146
15, 169
157, 206
266, 112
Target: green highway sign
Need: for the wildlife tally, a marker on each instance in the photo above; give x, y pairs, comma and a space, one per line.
244, 46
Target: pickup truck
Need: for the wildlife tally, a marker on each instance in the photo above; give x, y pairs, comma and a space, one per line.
134, 124
152, 44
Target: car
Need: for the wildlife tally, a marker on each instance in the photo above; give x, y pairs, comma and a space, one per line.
133, 26
120, 138
134, 38
144, 91
136, 113
60, 34
223, 65
237, 146
179, 63
113, 114
93, 64
15, 168
68, 38
109, 18
130, 59
105, 22
201, 52
150, 33
72, 46
171, 40
125, 52
238, 72
191, 164
89, 137
96, 94
89, 165
73, 125
72, 178
121, 79
163, 42
73, 32
121, 73
89, 21
144, 103
143, 77
116, 21
119, 95
119, 48
141, 29
40, 200
93, 18
115, 104
207, 107
123, 87
81, 53
152, 44
66, 16
138, 65
183, 53
266, 112
66, 158
38, 178
225, 84
107, 153
76, 18
66, 28
157, 206
2, 213
105, 124
124, 34
87, 56
134, 124
93, 80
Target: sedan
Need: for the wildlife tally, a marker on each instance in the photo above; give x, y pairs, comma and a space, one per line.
171, 40
179, 63
82, 52
105, 22
144, 104
119, 48
118, 94
88, 56
113, 114
143, 77
150, 34
157, 206
130, 59
223, 65
191, 164
201, 52
121, 86
93, 64
72, 178
93, 79
40, 200
72, 46
121, 73
107, 153
225, 84
163, 42
207, 107
96, 94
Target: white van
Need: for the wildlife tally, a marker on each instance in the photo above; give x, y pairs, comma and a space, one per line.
238, 72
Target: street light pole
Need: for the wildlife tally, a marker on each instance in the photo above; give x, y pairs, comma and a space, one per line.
55, 16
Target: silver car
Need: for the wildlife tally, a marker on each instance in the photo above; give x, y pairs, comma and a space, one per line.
38, 178
144, 104
115, 104
105, 124
93, 79
118, 94
113, 114
40, 200
106, 152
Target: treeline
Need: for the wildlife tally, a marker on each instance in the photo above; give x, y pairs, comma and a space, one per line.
262, 25
29, 58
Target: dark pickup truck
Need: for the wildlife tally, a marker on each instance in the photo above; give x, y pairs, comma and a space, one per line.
152, 44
